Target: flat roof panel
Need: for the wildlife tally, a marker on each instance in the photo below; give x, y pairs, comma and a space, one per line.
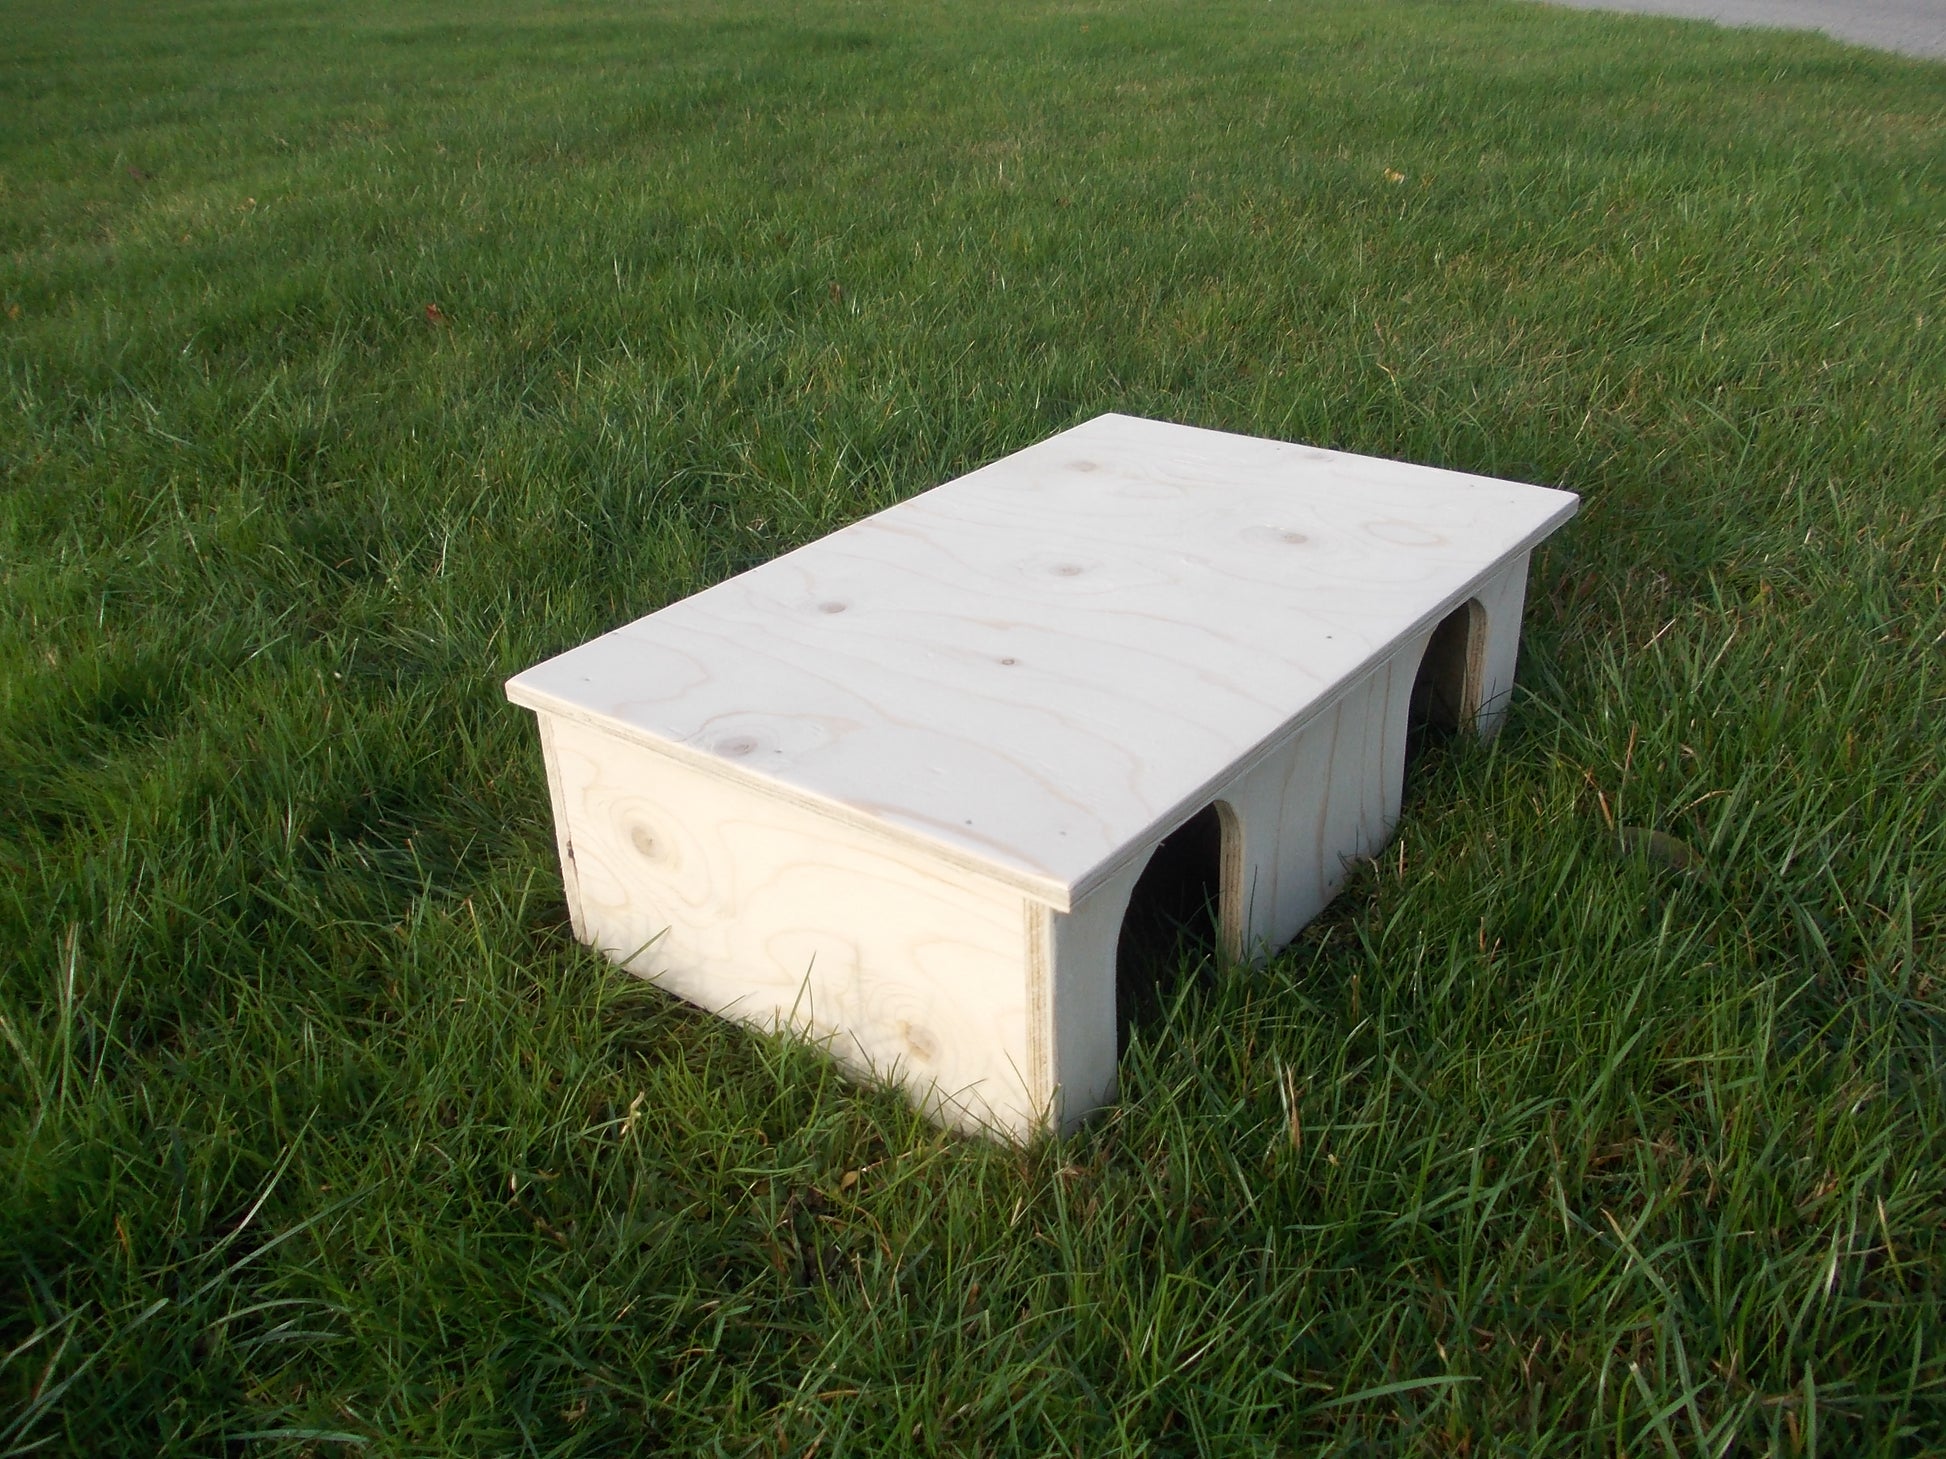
1032, 667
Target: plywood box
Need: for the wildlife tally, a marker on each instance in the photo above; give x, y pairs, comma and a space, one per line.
894, 789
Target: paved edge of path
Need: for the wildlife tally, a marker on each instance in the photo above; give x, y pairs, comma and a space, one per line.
1908, 27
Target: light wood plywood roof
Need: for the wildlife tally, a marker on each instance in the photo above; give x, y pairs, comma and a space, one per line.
1030, 669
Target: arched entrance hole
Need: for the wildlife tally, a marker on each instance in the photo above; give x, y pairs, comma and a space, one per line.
1172, 929
1446, 690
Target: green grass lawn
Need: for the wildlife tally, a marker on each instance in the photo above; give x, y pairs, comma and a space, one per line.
357, 355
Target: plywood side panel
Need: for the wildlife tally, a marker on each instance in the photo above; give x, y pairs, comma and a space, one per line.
563, 843
1081, 948
757, 909
1502, 597
1329, 795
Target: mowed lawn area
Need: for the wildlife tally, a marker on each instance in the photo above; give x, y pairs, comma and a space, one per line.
354, 356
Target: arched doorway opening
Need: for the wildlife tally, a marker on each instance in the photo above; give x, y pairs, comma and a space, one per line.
1174, 926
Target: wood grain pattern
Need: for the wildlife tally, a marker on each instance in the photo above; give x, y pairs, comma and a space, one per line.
1331, 794
1080, 952
1293, 824
1028, 669
894, 790
756, 909
1502, 596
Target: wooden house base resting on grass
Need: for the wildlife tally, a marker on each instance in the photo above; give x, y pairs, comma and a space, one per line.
895, 789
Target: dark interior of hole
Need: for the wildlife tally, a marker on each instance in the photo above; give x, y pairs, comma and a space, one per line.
1169, 931
1438, 708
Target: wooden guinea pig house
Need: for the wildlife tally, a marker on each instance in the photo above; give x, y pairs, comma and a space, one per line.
894, 789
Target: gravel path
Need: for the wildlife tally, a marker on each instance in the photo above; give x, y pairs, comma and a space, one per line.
1916, 27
